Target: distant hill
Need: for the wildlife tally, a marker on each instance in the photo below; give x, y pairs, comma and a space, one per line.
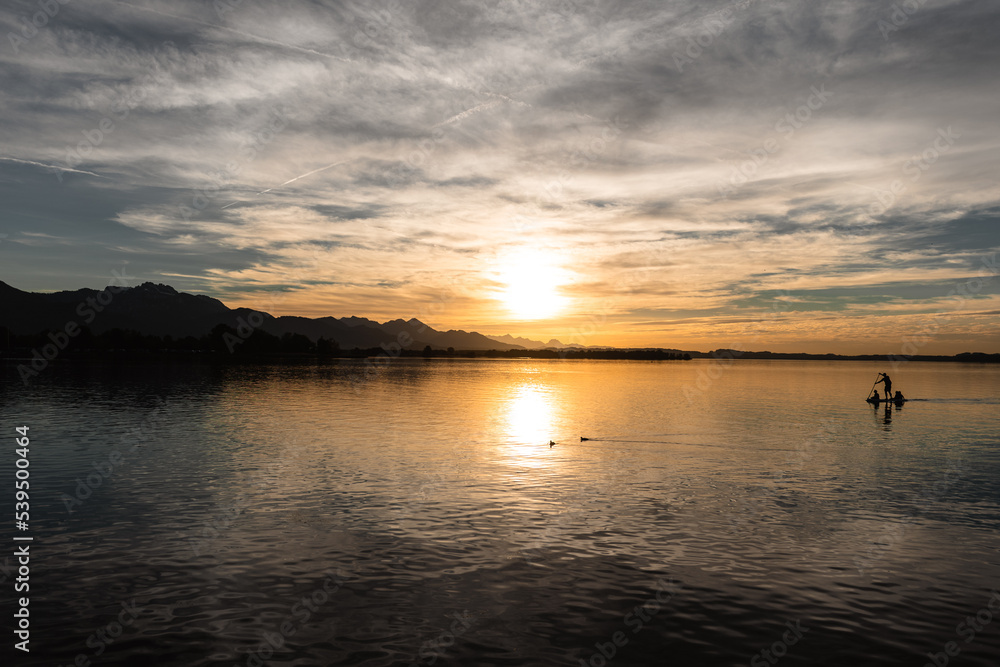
160, 310
728, 354
529, 344
149, 308
331, 328
458, 339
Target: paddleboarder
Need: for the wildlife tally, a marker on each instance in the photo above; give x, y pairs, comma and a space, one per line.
888, 385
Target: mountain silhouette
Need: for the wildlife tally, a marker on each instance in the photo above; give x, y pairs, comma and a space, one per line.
529, 344
160, 310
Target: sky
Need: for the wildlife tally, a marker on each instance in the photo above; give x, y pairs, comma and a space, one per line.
762, 175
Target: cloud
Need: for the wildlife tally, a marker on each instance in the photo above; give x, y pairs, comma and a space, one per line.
678, 157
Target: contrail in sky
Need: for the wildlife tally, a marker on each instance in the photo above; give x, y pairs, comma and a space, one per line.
50, 166
237, 32
292, 180
481, 107
468, 112
314, 171
508, 99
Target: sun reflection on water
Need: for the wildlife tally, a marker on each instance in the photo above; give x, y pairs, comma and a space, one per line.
529, 413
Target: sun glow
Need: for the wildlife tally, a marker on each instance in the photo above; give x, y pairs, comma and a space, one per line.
529, 416
532, 279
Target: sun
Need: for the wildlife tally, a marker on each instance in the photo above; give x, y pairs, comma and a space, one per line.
532, 279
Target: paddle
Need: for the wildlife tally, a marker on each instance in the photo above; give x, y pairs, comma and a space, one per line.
873, 385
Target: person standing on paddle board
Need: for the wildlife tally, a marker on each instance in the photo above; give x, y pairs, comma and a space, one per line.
888, 385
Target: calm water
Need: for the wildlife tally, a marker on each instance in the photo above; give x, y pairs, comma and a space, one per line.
419, 517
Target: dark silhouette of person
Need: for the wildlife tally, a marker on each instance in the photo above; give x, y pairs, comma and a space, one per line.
888, 385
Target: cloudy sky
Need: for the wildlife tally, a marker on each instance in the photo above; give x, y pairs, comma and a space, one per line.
785, 175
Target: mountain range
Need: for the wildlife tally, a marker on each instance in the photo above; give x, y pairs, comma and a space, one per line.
529, 344
157, 309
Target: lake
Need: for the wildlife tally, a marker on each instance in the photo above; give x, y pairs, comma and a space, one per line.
413, 513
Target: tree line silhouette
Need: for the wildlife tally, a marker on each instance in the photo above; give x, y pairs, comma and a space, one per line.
222, 339
227, 340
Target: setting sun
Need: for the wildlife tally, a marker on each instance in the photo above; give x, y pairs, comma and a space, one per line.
532, 281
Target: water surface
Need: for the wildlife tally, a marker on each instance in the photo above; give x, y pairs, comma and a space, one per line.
417, 515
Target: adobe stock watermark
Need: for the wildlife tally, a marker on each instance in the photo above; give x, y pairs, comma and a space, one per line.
785, 127
298, 613
404, 339
415, 159
960, 294
378, 27
565, 525
226, 515
31, 25
255, 319
584, 154
896, 531
102, 638
725, 358
635, 620
899, 16
114, 460
779, 649
435, 648
421, 154
631, 283
711, 28
412, 505
795, 461
244, 329
120, 109
372, 365
257, 484
248, 151
914, 169
87, 310
968, 629
373, 26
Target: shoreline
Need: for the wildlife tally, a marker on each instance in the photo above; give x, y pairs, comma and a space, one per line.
21, 355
